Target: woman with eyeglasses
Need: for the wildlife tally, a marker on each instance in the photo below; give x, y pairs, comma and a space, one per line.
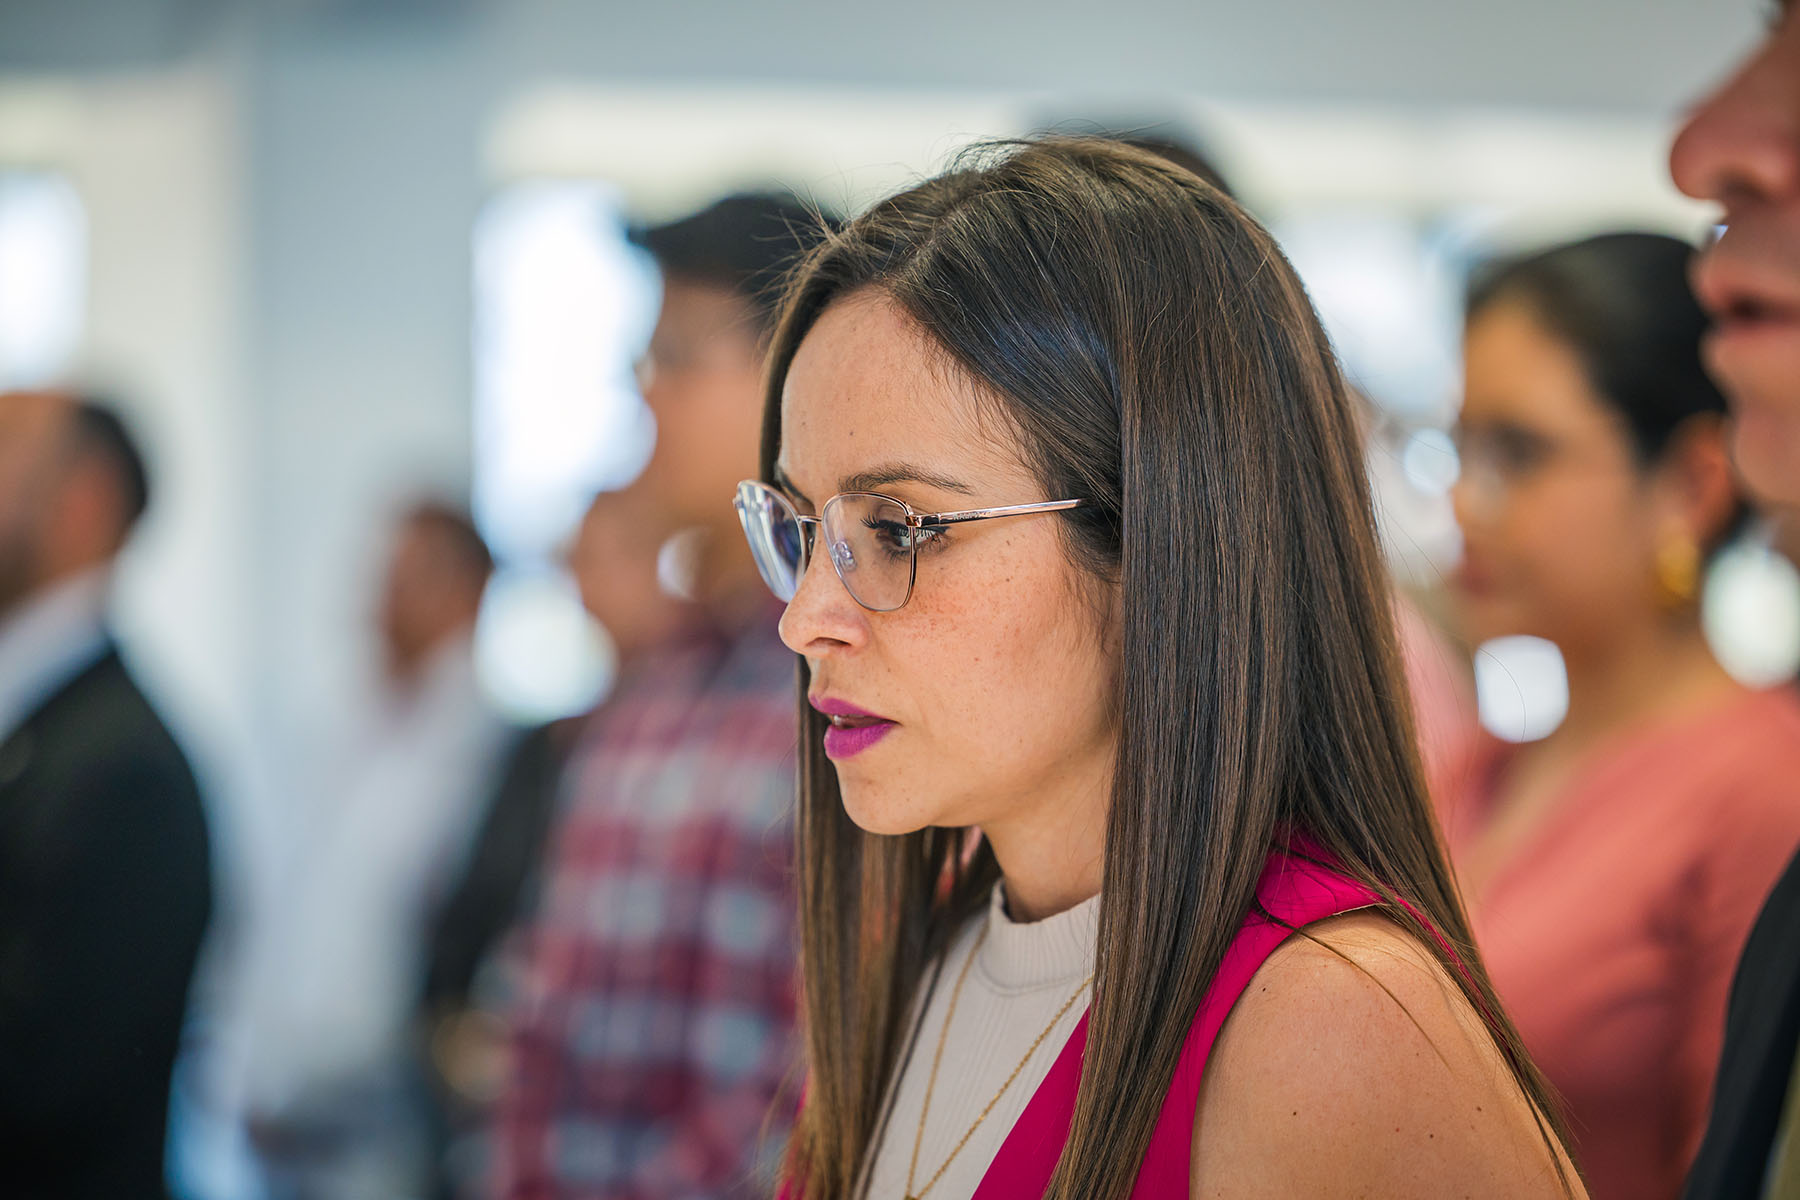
1613, 868
1061, 487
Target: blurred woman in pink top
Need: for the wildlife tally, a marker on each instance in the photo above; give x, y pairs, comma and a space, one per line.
1613, 868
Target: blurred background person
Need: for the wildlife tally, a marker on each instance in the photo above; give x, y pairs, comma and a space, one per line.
620, 554
105, 882
338, 1108
1612, 869
614, 558
1740, 148
654, 1022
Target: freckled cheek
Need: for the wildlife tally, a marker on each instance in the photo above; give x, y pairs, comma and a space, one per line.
940, 650
988, 651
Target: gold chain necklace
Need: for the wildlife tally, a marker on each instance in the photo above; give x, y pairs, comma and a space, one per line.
937, 1059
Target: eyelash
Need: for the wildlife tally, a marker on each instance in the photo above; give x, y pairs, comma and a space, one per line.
926, 537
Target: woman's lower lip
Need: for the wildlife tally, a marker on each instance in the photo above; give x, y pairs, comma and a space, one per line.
843, 741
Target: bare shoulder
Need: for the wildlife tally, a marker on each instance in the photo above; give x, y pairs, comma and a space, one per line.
1353, 1066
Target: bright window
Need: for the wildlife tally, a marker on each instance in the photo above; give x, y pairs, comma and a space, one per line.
564, 304
43, 276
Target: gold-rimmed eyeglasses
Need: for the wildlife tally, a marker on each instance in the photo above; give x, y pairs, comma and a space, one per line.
872, 540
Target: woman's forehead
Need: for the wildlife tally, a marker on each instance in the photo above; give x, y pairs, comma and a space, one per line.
1520, 371
868, 389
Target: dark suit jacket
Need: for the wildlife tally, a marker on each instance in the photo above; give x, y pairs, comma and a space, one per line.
1762, 1032
105, 890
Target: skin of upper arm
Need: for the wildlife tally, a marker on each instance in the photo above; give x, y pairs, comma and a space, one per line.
1352, 1066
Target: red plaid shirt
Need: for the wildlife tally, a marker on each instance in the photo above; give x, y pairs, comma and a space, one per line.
654, 1022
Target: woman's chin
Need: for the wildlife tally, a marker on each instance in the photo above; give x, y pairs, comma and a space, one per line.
876, 810
1766, 447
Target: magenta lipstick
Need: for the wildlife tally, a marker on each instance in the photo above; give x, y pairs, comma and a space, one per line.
852, 730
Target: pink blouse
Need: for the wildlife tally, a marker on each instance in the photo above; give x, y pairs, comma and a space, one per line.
1613, 933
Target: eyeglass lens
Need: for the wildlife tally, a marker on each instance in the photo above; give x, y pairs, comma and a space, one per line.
870, 545
776, 540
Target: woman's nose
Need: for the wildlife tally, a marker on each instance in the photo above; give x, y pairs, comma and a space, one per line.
822, 618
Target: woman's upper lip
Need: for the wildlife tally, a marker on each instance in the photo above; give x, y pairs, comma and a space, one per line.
831, 706
1733, 287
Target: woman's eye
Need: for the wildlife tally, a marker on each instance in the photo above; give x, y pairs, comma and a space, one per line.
926, 536
1519, 452
896, 538
891, 536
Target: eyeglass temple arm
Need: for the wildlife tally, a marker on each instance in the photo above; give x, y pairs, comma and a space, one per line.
918, 520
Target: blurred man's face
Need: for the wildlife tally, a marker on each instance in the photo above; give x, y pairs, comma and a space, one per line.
614, 560
1741, 148
34, 429
428, 597
703, 382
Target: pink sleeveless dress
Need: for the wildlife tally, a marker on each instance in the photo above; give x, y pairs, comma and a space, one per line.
1294, 891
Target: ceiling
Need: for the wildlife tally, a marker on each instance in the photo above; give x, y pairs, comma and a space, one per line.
1627, 55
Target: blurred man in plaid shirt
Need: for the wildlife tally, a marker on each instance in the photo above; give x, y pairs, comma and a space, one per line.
654, 1022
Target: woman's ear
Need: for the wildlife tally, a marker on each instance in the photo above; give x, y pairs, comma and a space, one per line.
1697, 487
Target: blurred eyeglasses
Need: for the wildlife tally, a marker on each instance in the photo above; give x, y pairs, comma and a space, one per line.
1496, 460
872, 540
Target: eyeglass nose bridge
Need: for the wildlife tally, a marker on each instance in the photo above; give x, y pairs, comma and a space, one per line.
810, 528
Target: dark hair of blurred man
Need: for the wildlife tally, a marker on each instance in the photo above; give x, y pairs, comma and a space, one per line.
105, 886
646, 1023
1741, 149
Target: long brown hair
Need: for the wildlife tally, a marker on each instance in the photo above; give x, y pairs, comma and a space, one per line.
1159, 358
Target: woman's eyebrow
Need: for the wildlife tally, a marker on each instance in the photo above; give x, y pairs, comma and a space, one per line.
868, 481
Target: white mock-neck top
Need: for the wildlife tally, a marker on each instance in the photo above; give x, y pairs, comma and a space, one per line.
1024, 973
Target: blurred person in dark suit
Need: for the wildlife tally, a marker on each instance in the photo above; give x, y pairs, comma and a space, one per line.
653, 1022
105, 882
1741, 149
614, 559
337, 1095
